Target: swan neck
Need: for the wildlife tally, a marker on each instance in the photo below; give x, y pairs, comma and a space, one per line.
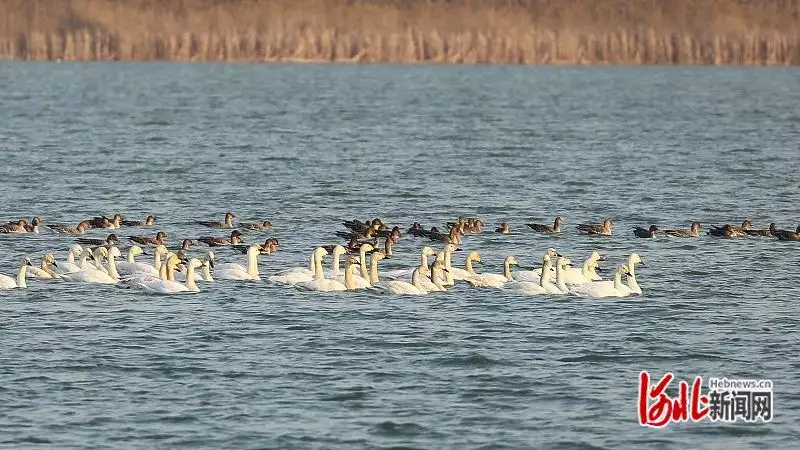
387, 247
170, 272
507, 271
363, 265
190, 283
207, 272
336, 264
130, 257
71, 258
349, 284
318, 273
545, 278
21, 282
162, 272
618, 280
560, 278
469, 268
373, 271
252, 264
112, 268
157, 260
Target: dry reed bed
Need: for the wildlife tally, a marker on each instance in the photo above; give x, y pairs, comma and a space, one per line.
758, 32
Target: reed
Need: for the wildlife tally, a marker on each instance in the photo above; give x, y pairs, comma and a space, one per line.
629, 32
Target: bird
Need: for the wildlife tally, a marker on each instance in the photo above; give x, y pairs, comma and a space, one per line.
270, 246
503, 228
726, 231
105, 222
19, 226
147, 240
542, 228
228, 223
694, 231
110, 240
785, 235
149, 220
66, 229
236, 238
603, 229
763, 232
645, 232
256, 226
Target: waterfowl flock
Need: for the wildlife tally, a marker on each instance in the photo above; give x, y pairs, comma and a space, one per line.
366, 244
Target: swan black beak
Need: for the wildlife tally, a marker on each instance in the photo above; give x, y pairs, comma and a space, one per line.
211, 263
55, 264
598, 269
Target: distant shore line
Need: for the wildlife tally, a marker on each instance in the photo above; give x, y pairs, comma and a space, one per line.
519, 32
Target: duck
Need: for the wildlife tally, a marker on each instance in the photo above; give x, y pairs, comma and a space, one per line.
608, 288
265, 225
105, 222
235, 272
645, 232
148, 221
364, 229
503, 228
726, 231
319, 282
148, 240
109, 240
45, 272
166, 286
603, 229
19, 226
269, 247
693, 231
451, 237
65, 229
494, 279
746, 224
7, 282
763, 232
228, 223
784, 235
416, 230
34, 225
235, 239
543, 228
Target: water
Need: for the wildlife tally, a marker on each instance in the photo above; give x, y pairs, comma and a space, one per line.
259, 366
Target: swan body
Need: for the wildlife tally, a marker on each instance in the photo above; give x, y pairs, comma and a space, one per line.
44, 272
6, 282
169, 286
237, 273
97, 275
400, 287
494, 279
534, 276
424, 253
319, 282
295, 274
132, 267
606, 288
69, 265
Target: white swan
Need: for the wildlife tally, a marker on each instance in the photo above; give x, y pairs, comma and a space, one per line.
162, 286
236, 273
633, 286
449, 279
361, 280
132, 267
44, 272
539, 287
424, 253
320, 283
535, 275
6, 282
334, 272
204, 273
468, 271
69, 265
434, 282
95, 275
606, 288
401, 287
494, 279
295, 274
560, 287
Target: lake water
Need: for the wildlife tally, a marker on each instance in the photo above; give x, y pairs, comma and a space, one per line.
244, 365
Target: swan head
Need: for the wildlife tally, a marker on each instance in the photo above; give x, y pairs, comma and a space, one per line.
595, 256
50, 259
136, 250
173, 261
511, 261
450, 248
76, 250
161, 249
364, 249
427, 251
634, 259
474, 256
552, 253
623, 269
26, 262
377, 256
563, 262
114, 253
337, 251
150, 220
194, 263
254, 250
101, 251
320, 252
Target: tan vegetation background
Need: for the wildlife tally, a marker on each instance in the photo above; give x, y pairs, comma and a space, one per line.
741, 32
